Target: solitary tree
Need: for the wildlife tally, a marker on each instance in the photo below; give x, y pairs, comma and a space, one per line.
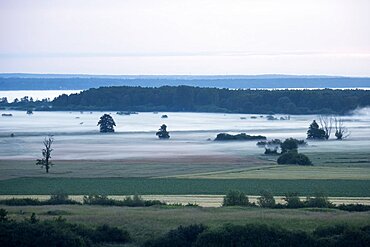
314, 131
46, 154
163, 133
106, 123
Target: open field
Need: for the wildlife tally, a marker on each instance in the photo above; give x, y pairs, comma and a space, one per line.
201, 200
173, 186
190, 164
155, 167
145, 223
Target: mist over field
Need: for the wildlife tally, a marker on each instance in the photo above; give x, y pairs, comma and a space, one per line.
77, 136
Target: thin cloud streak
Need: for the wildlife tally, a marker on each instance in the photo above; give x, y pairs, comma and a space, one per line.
177, 54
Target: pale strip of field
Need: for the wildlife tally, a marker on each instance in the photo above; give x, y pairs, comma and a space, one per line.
201, 200
154, 167
287, 172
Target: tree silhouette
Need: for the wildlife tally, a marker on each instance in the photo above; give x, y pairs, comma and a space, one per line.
46, 154
106, 123
314, 131
163, 133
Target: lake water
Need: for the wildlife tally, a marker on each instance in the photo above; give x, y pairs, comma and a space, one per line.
77, 134
35, 94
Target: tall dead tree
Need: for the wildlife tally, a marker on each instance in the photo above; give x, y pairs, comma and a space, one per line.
46, 154
341, 132
326, 124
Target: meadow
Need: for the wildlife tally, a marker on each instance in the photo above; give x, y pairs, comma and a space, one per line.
146, 223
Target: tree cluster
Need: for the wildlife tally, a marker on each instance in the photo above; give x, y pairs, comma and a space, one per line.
197, 99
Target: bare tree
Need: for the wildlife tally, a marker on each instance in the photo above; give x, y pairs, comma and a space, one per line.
326, 124
341, 132
46, 154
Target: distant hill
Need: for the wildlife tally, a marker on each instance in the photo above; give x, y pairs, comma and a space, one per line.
15, 81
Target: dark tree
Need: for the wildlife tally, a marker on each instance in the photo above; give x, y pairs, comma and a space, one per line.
235, 198
46, 154
106, 123
163, 133
294, 158
288, 145
266, 200
314, 131
3, 215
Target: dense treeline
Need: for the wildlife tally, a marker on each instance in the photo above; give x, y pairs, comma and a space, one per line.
262, 235
196, 99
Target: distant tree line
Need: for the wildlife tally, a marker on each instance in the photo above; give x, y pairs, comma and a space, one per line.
196, 99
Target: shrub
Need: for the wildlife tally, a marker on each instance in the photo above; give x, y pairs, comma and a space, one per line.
266, 200
235, 198
318, 201
180, 237
3, 215
135, 201
58, 233
294, 158
20, 202
269, 151
288, 145
97, 200
354, 207
292, 201
60, 198
238, 137
252, 235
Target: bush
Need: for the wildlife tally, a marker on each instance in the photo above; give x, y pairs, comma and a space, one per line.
60, 198
55, 199
58, 233
266, 200
269, 151
354, 207
262, 235
238, 137
235, 198
180, 237
294, 158
135, 201
253, 235
97, 200
20, 202
292, 201
3, 215
319, 201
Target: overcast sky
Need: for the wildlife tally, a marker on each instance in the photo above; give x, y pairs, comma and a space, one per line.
330, 37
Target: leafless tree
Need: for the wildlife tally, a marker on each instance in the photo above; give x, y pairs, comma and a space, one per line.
326, 123
341, 132
46, 154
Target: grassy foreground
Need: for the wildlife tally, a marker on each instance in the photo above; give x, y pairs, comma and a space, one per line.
146, 223
173, 186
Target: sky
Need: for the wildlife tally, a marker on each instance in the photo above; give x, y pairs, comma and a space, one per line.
188, 37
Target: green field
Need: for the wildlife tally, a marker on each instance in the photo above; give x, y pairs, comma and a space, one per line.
146, 223
335, 174
174, 186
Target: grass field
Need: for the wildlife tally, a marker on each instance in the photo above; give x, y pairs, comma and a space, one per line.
173, 186
145, 223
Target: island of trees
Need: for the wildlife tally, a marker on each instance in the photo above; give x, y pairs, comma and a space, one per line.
197, 99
